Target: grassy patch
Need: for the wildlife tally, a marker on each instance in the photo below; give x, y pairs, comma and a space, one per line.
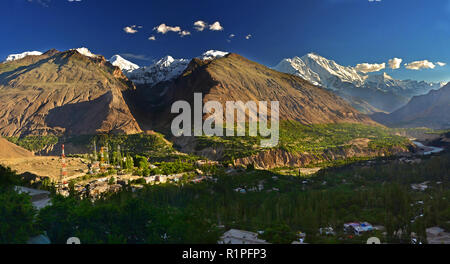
299, 138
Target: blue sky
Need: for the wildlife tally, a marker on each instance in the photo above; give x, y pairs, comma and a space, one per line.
349, 31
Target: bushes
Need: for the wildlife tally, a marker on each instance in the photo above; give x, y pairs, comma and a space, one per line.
16, 211
298, 138
138, 143
168, 168
8, 178
34, 143
16, 218
131, 220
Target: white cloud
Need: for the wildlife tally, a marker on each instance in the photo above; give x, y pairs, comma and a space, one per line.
200, 25
163, 29
184, 33
152, 38
418, 65
367, 67
216, 26
130, 29
395, 63
232, 36
249, 36
441, 64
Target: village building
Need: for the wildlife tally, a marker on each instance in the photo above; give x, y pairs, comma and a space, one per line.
358, 228
240, 237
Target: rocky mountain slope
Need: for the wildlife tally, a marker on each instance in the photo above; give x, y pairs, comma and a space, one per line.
380, 91
71, 92
235, 78
431, 110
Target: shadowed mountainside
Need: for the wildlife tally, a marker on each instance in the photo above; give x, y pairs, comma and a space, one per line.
431, 110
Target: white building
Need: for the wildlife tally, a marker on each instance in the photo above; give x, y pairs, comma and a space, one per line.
239, 237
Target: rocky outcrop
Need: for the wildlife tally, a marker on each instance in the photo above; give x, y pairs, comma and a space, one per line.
280, 158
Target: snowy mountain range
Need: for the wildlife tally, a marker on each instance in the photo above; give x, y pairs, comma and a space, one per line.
22, 55
378, 90
367, 92
320, 71
164, 69
13, 57
123, 64
325, 72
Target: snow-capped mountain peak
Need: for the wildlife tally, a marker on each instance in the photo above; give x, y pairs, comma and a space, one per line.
328, 69
379, 78
164, 69
22, 55
123, 64
86, 52
165, 61
329, 74
167, 68
319, 70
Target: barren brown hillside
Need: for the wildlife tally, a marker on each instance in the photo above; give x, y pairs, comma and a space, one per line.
63, 92
10, 151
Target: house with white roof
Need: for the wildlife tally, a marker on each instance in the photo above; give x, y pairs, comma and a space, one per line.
240, 237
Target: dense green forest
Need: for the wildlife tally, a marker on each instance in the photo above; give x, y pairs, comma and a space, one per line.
194, 213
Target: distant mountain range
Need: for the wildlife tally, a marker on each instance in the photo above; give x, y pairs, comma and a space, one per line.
165, 69
431, 110
235, 78
367, 93
78, 92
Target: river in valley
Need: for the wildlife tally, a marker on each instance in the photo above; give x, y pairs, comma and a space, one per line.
428, 150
